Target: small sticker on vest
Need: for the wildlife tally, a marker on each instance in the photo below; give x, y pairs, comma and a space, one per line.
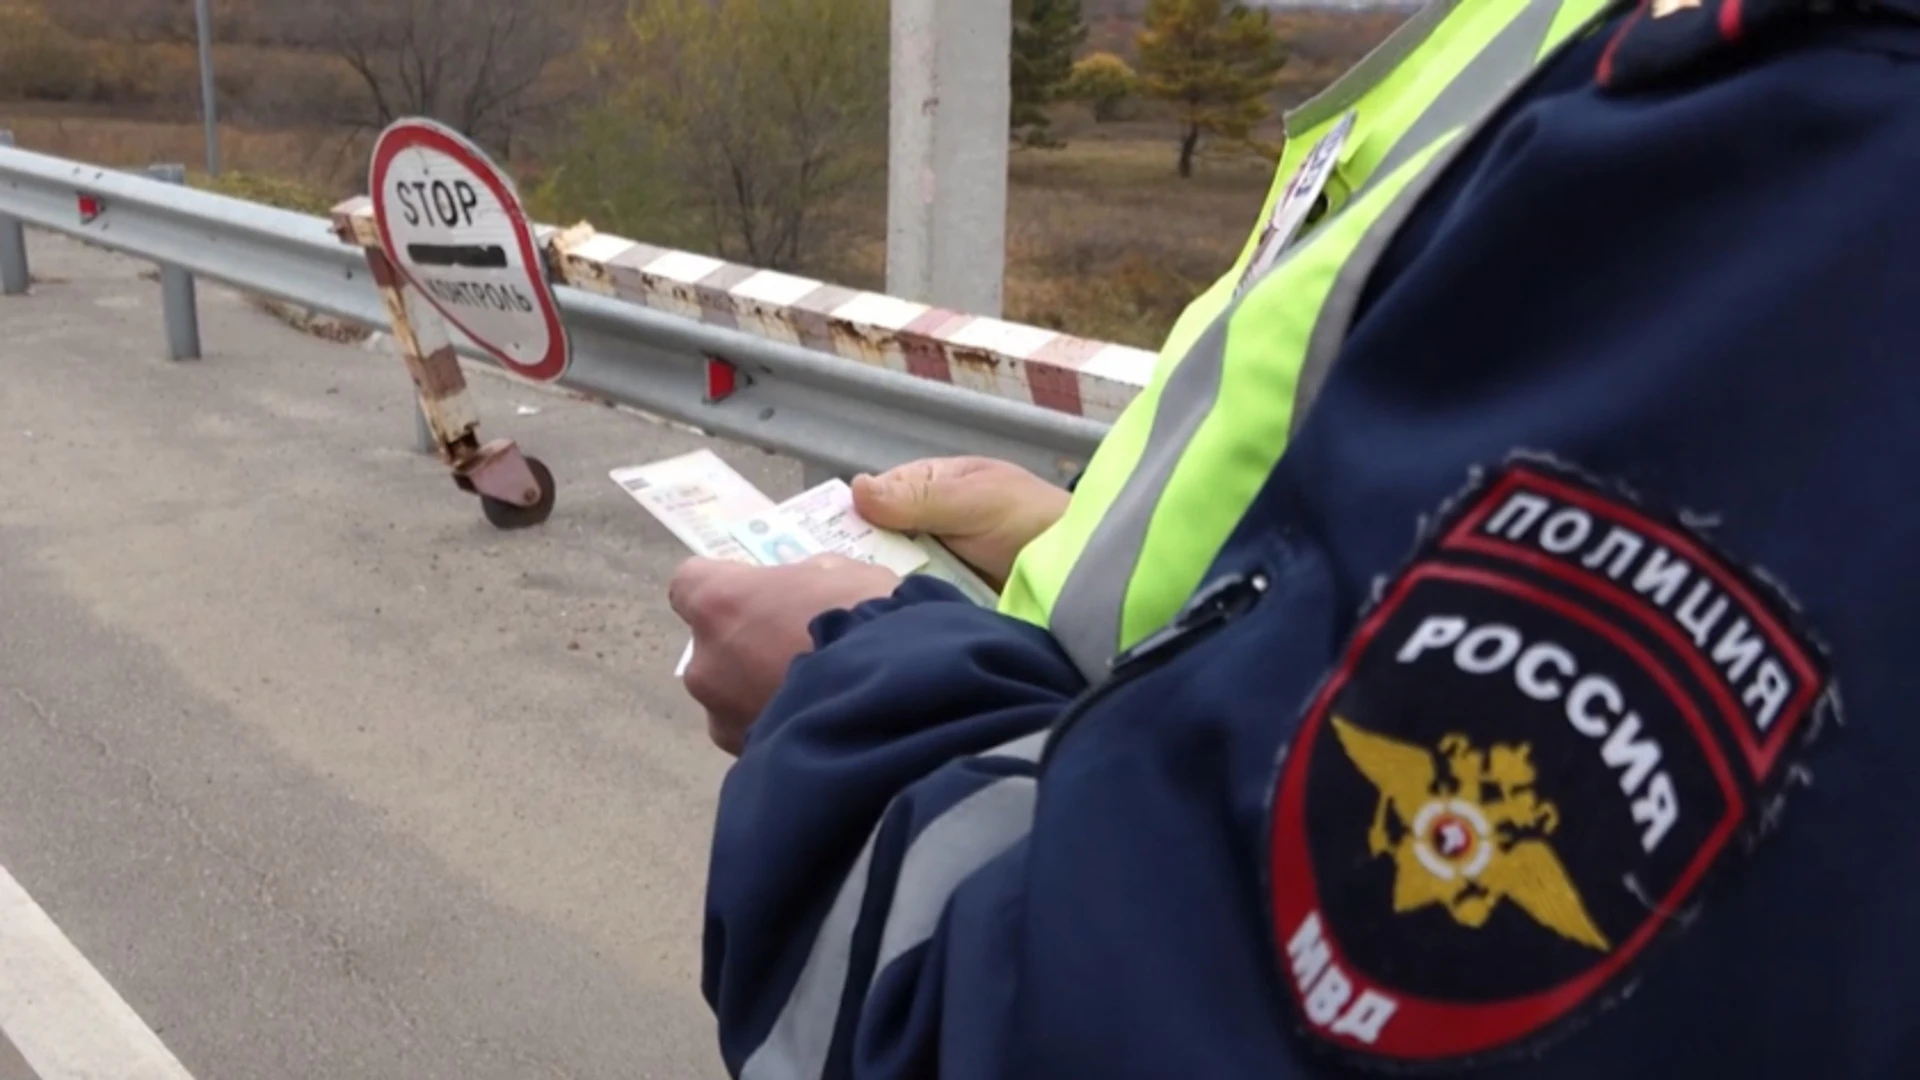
1292, 209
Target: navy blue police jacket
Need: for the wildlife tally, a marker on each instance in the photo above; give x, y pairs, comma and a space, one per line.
1550, 714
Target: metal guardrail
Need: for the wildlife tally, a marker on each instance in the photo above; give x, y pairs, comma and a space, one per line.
837, 415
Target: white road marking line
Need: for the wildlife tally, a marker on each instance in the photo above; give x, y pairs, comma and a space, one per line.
59, 1013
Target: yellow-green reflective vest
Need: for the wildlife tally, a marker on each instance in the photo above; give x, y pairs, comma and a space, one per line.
1183, 462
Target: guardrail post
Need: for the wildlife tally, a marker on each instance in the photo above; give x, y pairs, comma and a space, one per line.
424, 439
177, 296
14, 277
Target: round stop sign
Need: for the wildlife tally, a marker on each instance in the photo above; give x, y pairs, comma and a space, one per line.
452, 224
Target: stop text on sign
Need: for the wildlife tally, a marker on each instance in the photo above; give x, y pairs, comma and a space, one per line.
445, 203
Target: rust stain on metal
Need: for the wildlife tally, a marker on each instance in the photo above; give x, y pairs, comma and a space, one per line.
383, 272
447, 417
430, 360
770, 321
717, 307
585, 274
925, 352
812, 329
643, 289
926, 358
977, 361
345, 219
438, 374
666, 294
571, 267
626, 283
867, 344
566, 241
627, 272
355, 224
397, 315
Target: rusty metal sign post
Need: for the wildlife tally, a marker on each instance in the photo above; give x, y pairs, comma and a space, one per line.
451, 243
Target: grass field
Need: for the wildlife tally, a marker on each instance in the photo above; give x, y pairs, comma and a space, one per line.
326, 161
1103, 239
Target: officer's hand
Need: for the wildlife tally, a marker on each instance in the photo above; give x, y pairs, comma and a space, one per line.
750, 622
986, 511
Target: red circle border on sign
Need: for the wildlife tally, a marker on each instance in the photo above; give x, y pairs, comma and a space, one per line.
408, 134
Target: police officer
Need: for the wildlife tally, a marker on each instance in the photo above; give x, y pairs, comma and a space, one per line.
1542, 712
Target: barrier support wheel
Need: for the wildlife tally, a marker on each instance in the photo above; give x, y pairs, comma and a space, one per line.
516, 491
504, 515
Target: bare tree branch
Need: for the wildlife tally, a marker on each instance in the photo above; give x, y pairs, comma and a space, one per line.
477, 65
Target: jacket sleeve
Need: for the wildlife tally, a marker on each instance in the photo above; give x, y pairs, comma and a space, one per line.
907, 708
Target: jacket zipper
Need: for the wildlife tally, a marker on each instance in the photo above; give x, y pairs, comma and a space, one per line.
1216, 605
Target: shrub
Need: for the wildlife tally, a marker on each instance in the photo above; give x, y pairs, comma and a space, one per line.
38, 60
126, 73
1105, 82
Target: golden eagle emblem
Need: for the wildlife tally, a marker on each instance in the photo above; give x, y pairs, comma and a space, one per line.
1466, 830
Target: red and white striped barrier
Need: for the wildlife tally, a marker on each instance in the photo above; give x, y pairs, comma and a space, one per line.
1007, 360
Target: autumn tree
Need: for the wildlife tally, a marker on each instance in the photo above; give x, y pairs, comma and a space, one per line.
1105, 82
1215, 62
740, 127
1046, 34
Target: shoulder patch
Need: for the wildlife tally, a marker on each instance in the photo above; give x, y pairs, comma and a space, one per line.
1540, 743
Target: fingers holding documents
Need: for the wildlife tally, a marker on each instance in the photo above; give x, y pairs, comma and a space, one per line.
750, 622
984, 510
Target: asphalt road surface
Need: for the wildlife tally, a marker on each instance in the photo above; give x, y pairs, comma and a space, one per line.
327, 778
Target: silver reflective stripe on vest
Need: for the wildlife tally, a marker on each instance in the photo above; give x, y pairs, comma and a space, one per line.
1340, 95
1509, 60
1089, 613
948, 851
